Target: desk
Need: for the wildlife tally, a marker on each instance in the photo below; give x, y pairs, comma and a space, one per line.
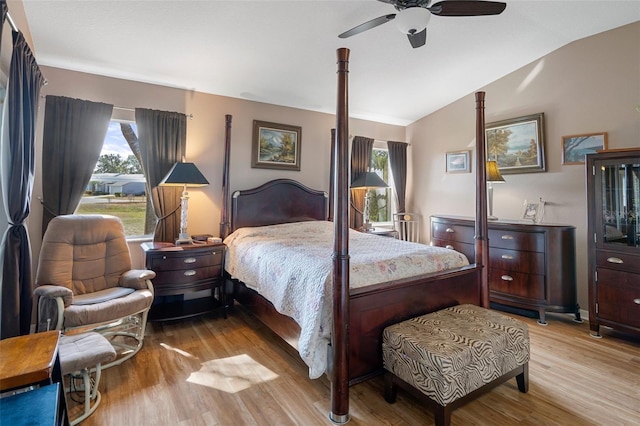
32, 360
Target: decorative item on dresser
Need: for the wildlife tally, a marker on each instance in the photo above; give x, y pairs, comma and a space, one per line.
613, 192
531, 266
183, 269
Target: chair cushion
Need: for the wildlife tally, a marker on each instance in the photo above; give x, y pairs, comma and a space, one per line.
84, 350
101, 296
110, 310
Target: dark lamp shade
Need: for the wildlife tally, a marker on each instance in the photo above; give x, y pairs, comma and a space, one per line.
368, 180
184, 174
493, 172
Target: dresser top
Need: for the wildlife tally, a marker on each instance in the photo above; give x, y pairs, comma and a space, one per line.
505, 222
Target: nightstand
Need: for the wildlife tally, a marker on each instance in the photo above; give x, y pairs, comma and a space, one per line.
185, 269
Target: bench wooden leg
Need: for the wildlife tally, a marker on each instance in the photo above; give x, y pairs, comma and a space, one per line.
390, 388
523, 379
442, 415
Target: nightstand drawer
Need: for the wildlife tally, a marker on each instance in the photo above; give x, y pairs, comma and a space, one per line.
515, 240
529, 286
187, 275
190, 259
518, 261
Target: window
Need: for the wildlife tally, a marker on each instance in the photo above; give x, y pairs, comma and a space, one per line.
382, 200
117, 186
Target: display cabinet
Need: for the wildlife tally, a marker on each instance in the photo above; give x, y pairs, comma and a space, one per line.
613, 188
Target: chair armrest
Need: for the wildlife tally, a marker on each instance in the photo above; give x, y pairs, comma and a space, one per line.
136, 278
53, 291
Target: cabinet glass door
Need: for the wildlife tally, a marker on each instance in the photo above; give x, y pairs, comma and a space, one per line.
620, 189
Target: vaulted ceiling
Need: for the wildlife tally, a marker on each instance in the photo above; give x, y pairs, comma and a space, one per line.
284, 52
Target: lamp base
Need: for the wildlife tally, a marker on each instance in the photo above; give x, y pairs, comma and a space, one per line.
492, 218
184, 239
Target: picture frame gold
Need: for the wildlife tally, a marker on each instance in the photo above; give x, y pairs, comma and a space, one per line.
276, 146
517, 144
576, 147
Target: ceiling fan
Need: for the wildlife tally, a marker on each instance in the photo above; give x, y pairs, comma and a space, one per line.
413, 16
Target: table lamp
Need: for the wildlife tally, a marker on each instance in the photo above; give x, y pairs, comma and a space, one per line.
184, 174
493, 175
367, 180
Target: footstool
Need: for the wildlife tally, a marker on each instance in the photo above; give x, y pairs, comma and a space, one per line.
449, 357
82, 355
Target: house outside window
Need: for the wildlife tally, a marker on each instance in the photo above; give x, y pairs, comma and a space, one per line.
117, 185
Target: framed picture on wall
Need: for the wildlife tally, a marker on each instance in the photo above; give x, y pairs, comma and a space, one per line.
517, 144
458, 162
276, 146
576, 147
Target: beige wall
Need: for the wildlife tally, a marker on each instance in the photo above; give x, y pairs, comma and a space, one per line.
591, 85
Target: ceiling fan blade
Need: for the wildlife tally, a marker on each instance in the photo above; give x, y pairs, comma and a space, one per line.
418, 39
368, 25
467, 8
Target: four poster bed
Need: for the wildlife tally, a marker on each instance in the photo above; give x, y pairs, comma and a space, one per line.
360, 313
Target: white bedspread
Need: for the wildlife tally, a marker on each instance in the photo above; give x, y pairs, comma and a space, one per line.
291, 265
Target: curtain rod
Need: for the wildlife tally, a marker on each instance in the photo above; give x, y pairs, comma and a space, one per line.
190, 116
12, 23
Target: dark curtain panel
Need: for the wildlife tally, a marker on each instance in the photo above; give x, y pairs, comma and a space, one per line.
361, 148
3, 16
163, 140
25, 81
398, 163
74, 131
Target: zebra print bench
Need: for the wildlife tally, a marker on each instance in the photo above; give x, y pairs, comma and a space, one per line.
454, 355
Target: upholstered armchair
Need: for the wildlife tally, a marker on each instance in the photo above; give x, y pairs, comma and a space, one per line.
85, 281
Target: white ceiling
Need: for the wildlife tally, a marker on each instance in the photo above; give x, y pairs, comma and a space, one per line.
284, 52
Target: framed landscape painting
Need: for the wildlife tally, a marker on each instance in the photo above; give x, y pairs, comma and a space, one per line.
459, 162
276, 146
576, 147
517, 144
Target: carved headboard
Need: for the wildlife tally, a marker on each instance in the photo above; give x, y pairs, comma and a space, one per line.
277, 201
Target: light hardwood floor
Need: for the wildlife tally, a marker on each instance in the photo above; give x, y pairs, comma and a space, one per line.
215, 371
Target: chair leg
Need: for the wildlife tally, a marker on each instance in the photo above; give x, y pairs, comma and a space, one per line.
91, 393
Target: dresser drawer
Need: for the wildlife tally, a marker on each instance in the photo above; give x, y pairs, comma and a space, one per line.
618, 261
452, 232
178, 261
517, 261
516, 240
530, 286
618, 296
464, 248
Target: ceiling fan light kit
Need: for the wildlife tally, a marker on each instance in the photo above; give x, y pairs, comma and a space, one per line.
413, 16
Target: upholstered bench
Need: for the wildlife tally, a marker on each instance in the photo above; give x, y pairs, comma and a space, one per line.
450, 357
82, 355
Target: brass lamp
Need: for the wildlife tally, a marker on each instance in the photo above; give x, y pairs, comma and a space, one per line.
367, 180
184, 174
493, 175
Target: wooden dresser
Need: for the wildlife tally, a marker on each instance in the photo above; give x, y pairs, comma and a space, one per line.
613, 192
531, 266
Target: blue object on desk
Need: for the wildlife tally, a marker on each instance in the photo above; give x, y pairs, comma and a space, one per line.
35, 407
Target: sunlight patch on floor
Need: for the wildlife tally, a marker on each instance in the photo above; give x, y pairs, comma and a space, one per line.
179, 351
231, 375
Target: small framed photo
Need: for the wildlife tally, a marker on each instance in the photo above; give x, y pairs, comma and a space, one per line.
276, 146
576, 147
459, 162
531, 211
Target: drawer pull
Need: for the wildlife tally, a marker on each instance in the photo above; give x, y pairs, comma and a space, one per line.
189, 273
506, 278
190, 260
507, 237
450, 247
636, 301
615, 260
507, 257
450, 230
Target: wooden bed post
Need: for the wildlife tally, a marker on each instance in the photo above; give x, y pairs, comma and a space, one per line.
339, 350
225, 226
482, 241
